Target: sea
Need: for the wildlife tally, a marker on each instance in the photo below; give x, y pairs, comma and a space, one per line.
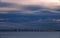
29, 34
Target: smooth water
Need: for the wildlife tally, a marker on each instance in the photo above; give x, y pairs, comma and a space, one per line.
29, 34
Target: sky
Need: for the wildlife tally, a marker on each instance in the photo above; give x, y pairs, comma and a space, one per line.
35, 2
33, 7
22, 5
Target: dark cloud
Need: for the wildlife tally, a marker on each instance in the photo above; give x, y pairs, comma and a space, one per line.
32, 7
29, 21
2, 4
58, 9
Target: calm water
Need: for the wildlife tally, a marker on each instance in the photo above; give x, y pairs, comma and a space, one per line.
29, 34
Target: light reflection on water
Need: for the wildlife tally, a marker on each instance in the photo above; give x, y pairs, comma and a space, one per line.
29, 34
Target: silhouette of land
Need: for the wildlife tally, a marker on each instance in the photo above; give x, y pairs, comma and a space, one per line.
26, 30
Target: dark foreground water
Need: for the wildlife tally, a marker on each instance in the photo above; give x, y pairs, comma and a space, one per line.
29, 34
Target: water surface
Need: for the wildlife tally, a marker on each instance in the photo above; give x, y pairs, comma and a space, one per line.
29, 34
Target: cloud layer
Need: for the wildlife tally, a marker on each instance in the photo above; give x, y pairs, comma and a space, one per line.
35, 2
30, 6
29, 13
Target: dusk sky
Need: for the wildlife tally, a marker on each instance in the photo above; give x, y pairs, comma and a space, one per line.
21, 4
29, 13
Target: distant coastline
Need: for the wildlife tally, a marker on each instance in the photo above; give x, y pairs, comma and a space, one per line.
26, 30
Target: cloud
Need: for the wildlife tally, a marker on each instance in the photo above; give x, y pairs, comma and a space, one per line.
47, 3
2, 4
5, 7
28, 21
32, 7
29, 6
